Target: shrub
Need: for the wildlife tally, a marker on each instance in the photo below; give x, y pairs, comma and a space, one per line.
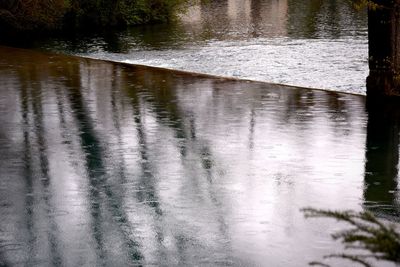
31, 14
122, 12
368, 235
45, 15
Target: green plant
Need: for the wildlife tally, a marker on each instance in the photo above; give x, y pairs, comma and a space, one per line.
46, 15
376, 239
32, 14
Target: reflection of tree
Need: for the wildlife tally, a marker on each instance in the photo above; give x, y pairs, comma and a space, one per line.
304, 22
102, 197
382, 158
118, 40
305, 103
161, 98
333, 17
41, 233
310, 19
115, 110
297, 103
210, 10
147, 182
35, 153
165, 100
93, 161
165, 104
157, 36
28, 172
256, 17
97, 175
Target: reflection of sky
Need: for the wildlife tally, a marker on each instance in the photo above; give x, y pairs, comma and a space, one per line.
153, 167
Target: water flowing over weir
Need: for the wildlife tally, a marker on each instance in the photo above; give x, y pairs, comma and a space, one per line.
318, 44
118, 165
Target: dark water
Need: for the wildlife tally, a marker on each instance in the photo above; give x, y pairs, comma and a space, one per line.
310, 43
104, 164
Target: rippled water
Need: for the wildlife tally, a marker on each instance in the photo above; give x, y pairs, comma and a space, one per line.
320, 44
118, 165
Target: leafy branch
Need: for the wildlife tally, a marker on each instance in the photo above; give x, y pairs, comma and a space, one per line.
380, 241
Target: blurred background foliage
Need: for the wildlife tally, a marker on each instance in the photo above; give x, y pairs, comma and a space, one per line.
50, 15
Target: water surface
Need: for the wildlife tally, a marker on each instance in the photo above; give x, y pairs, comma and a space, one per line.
319, 44
105, 164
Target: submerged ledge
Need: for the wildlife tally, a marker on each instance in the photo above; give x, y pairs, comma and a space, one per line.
177, 71
207, 75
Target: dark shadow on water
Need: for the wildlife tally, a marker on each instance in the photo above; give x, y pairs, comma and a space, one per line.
37, 179
100, 189
382, 158
161, 98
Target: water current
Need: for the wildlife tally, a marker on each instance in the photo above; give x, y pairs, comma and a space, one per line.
318, 44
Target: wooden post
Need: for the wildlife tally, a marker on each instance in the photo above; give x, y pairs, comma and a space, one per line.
384, 49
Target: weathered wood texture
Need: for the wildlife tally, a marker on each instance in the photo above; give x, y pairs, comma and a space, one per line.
384, 49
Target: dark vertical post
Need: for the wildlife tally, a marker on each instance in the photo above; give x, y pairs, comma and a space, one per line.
384, 49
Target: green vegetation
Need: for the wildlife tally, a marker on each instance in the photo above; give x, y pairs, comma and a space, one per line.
359, 4
120, 12
20, 15
368, 238
50, 15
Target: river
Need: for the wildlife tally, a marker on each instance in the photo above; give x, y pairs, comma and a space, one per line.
104, 164
110, 164
318, 44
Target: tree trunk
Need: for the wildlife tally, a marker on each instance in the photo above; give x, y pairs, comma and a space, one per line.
384, 49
